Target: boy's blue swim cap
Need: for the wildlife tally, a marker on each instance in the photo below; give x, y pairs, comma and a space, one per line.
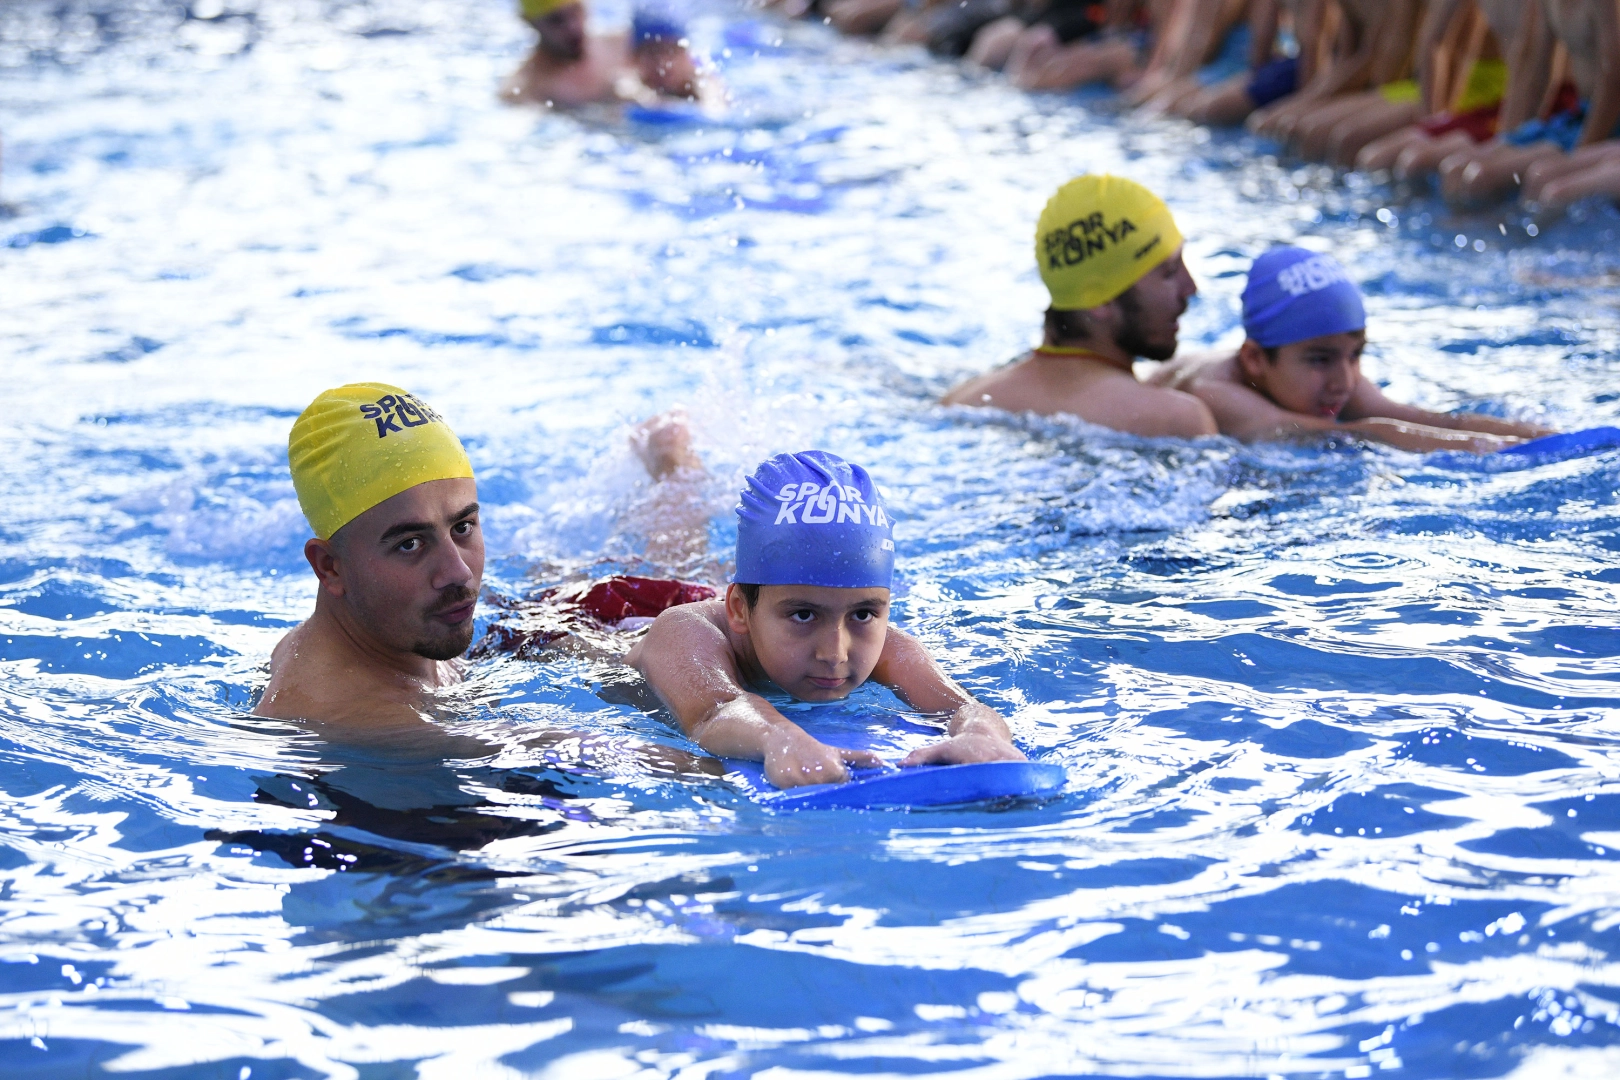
649, 25
1294, 294
813, 518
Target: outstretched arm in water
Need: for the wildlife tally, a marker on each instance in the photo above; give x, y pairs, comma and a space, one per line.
692, 666
975, 731
1368, 402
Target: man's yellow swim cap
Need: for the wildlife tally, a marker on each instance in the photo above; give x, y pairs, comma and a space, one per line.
539, 9
1098, 236
360, 444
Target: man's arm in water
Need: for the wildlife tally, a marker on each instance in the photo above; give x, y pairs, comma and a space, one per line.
1248, 415
1369, 401
975, 732
689, 662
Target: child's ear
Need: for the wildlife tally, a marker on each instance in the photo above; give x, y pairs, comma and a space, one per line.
1252, 362
736, 610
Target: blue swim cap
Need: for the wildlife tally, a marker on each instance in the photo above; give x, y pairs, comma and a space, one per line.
650, 25
812, 518
1294, 294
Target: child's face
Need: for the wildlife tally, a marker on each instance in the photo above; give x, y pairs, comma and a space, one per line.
814, 641
666, 68
1315, 377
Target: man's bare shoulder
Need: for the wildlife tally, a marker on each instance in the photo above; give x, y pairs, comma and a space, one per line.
312, 678
1095, 392
982, 390
1186, 370
589, 80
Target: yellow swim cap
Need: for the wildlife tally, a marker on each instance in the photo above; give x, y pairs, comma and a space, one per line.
363, 443
1098, 236
539, 9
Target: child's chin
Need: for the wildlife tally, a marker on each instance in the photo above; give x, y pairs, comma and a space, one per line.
812, 692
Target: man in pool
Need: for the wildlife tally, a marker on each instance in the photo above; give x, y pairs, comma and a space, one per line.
397, 553
808, 613
570, 67
1298, 372
1110, 255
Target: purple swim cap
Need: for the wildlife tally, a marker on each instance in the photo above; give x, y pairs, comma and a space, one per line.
813, 518
1294, 294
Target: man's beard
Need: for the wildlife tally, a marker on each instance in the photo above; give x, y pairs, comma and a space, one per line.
562, 50
454, 639
1129, 337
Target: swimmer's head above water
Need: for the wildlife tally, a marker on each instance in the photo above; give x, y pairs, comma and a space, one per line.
658, 44
561, 25
815, 560
390, 494
1306, 327
1110, 255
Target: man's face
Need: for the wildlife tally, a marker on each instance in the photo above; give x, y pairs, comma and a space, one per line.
814, 641
1151, 310
562, 32
1315, 377
409, 569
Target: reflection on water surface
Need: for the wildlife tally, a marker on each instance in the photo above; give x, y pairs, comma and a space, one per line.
1339, 723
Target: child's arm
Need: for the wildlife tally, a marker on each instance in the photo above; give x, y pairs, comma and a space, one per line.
689, 661
975, 731
1369, 402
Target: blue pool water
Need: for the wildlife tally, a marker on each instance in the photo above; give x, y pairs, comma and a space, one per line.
1339, 724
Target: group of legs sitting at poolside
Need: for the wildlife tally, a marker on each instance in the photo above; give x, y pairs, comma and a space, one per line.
398, 552
1492, 97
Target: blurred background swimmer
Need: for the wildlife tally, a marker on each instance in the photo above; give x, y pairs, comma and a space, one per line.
1298, 372
1111, 257
646, 64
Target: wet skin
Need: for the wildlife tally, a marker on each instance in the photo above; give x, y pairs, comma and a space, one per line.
396, 591
818, 643
1316, 377
815, 642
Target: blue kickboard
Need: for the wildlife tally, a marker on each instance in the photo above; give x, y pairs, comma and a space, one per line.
662, 117
1570, 443
924, 785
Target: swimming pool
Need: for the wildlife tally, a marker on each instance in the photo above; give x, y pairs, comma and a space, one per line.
1340, 724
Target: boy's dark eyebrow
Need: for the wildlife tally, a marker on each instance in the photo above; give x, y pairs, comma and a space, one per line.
422, 526
799, 605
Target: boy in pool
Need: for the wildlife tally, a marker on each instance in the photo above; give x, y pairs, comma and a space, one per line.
809, 613
1298, 372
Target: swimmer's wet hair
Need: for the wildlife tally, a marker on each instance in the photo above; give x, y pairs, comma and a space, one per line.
1066, 326
750, 594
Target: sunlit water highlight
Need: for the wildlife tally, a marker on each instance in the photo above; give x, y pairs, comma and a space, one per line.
1339, 723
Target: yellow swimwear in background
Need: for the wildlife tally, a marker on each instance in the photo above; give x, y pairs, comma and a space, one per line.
1098, 236
1401, 92
539, 9
364, 443
1485, 86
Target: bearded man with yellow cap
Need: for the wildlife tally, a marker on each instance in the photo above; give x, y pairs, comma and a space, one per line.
398, 558
1110, 255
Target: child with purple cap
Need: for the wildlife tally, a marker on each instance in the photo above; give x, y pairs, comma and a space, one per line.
1298, 372
808, 613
